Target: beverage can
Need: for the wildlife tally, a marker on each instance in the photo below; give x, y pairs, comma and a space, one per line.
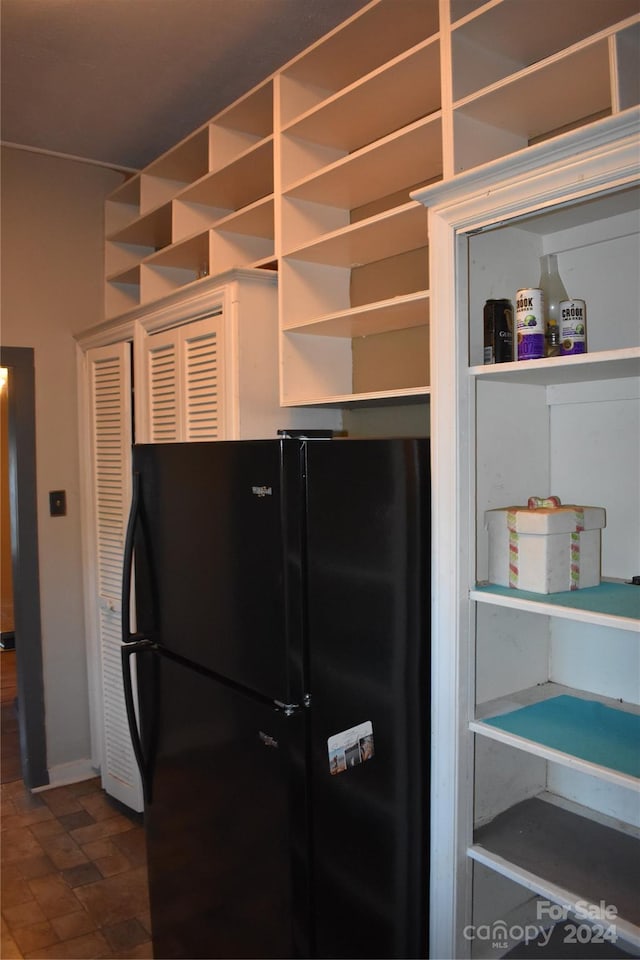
498, 331
530, 323
573, 327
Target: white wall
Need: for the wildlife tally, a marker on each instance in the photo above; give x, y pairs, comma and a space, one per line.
52, 229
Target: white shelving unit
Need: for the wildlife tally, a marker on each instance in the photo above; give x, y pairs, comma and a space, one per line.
354, 298
203, 208
310, 174
536, 802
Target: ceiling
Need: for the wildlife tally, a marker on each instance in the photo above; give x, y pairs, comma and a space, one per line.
121, 81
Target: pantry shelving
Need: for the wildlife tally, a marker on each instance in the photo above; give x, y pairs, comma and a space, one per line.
543, 715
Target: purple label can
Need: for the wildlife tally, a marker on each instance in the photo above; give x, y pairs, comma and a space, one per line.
573, 327
530, 323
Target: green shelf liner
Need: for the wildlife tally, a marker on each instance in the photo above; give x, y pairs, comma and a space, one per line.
581, 728
614, 599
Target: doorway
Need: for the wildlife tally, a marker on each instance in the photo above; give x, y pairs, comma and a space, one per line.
19, 362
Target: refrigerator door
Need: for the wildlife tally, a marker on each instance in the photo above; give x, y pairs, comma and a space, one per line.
222, 819
368, 522
217, 552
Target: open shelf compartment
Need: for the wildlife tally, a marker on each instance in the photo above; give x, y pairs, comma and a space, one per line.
503, 38
372, 37
596, 735
590, 862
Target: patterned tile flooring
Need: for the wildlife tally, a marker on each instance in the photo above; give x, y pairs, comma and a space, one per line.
73, 879
74, 883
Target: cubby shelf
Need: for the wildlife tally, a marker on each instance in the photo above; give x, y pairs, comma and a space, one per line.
373, 107
123, 206
151, 230
536, 102
403, 159
246, 179
501, 39
394, 231
613, 604
184, 163
363, 44
398, 313
592, 864
584, 757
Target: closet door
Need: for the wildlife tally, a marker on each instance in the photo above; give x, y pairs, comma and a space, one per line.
109, 373
203, 375
184, 371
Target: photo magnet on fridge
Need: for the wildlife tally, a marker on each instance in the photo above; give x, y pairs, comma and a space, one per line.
351, 747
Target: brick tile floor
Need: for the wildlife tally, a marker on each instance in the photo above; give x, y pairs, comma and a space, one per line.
73, 877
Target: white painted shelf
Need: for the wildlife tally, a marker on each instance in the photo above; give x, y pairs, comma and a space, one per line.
384, 101
407, 157
605, 606
566, 858
547, 691
398, 313
373, 397
394, 231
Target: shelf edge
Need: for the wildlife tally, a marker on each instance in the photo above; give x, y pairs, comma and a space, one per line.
558, 756
568, 899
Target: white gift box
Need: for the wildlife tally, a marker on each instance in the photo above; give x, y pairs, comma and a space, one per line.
545, 547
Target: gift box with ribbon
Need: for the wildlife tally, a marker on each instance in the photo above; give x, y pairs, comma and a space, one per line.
545, 546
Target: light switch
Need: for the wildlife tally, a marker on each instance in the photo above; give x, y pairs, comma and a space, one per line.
58, 503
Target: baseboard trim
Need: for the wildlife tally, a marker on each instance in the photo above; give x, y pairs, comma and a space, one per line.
66, 773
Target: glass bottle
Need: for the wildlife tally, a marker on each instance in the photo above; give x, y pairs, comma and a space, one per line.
554, 292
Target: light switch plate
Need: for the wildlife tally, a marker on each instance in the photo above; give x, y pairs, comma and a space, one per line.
57, 503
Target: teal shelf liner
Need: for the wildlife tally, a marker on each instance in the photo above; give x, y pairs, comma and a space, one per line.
615, 599
581, 728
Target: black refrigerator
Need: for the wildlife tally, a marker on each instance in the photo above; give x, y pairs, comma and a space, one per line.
280, 661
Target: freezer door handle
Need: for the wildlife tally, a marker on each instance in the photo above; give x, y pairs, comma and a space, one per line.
127, 565
144, 763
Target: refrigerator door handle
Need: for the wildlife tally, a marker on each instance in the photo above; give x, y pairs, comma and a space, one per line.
127, 565
289, 709
144, 764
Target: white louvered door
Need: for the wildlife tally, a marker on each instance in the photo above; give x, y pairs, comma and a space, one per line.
185, 395
110, 401
203, 378
163, 372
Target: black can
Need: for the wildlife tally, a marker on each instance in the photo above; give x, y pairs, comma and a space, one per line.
498, 331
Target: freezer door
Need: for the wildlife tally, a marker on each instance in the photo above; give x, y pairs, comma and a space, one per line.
368, 569
217, 558
222, 822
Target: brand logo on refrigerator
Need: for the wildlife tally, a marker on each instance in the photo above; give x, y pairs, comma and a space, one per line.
262, 491
268, 740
